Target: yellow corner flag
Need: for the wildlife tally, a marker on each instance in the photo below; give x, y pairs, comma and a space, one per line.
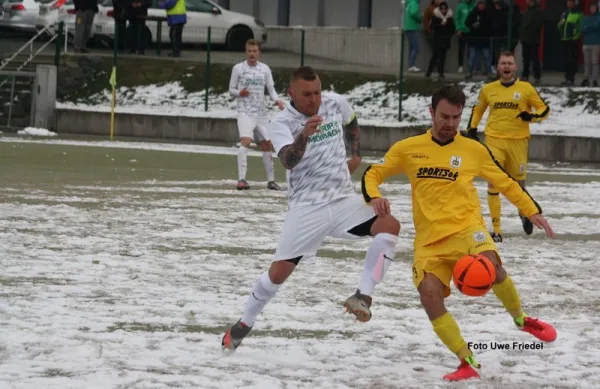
113, 84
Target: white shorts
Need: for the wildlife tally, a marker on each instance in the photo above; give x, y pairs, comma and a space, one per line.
306, 227
248, 124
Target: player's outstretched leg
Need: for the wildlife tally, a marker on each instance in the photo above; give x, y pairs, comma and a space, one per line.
431, 290
505, 291
264, 290
380, 254
242, 160
495, 208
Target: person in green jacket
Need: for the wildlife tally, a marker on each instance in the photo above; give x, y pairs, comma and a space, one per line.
462, 31
569, 28
412, 27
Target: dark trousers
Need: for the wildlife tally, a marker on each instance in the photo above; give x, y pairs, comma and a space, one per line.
530, 58
439, 58
570, 55
136, 37
175, 32
498, 46
121, 27
462, 47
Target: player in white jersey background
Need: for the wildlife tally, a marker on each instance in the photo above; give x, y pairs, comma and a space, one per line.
247, 85
313, 137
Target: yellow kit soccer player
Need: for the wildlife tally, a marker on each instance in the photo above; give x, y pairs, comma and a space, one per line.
441, 166
512, 104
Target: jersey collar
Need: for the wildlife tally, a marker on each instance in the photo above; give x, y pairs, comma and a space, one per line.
438, 142
509, 84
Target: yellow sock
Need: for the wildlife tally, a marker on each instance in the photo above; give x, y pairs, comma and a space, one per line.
507, 293
447, 330
495, 210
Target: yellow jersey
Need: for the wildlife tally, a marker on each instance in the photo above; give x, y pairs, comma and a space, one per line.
444, 198
506, 102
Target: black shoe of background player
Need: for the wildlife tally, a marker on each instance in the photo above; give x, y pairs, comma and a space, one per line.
496, 237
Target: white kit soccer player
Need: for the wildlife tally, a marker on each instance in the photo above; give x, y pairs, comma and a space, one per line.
247, 85
313, 137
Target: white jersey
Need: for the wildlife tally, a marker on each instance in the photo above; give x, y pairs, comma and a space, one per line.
255, 79
322, 174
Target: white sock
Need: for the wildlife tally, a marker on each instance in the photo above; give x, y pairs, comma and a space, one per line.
268, 161
379, 256
242, 162
264, 290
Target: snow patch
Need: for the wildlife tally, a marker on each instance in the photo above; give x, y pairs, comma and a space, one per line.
32, 131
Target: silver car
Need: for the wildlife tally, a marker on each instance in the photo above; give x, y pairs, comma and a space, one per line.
19, 15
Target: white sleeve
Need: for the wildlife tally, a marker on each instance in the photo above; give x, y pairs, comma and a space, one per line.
233, 81
280, 134
270, 84
347, 111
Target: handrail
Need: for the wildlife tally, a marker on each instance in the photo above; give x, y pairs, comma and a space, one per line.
32, 56
30, 42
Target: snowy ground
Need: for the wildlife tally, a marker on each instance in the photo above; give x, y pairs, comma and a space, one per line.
375, 103
131, 285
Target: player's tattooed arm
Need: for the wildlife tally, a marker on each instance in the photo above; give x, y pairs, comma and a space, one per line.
291, 155
352, 135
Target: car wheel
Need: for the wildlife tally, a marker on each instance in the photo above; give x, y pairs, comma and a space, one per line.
237, 37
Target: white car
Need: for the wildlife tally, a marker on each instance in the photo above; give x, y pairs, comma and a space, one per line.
19, 15
53, 11
232, 29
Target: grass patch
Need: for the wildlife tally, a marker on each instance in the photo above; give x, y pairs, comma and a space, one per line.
56, 373
190, 328
587, 100
94, 72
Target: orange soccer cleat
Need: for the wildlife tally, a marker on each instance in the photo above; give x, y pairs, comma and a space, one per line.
541, 330
465, 371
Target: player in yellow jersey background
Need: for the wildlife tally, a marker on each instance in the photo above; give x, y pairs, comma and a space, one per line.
512, 105
441, 166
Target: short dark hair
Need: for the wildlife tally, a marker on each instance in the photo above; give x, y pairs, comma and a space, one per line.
305, 73
506, 53
451, 93
253, 42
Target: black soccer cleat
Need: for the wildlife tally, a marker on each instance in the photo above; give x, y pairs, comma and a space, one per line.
527, 225
234, 336
496, 237
272, 185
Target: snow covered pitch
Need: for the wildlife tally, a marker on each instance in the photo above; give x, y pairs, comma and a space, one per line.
121, 268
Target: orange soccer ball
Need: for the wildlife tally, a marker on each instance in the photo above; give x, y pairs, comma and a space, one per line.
474, 275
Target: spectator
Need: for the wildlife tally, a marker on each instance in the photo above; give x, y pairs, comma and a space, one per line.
136, 13
412, 22
499, 31
517, 20
479, 22
427, 15
591, 46
462, 31
176, 19
119, 7
86, 11
569, 28
531, 31
442, 25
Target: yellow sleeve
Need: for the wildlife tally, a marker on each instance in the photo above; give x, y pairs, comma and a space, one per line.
493, 173
377, 173
478, 110
542, 110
